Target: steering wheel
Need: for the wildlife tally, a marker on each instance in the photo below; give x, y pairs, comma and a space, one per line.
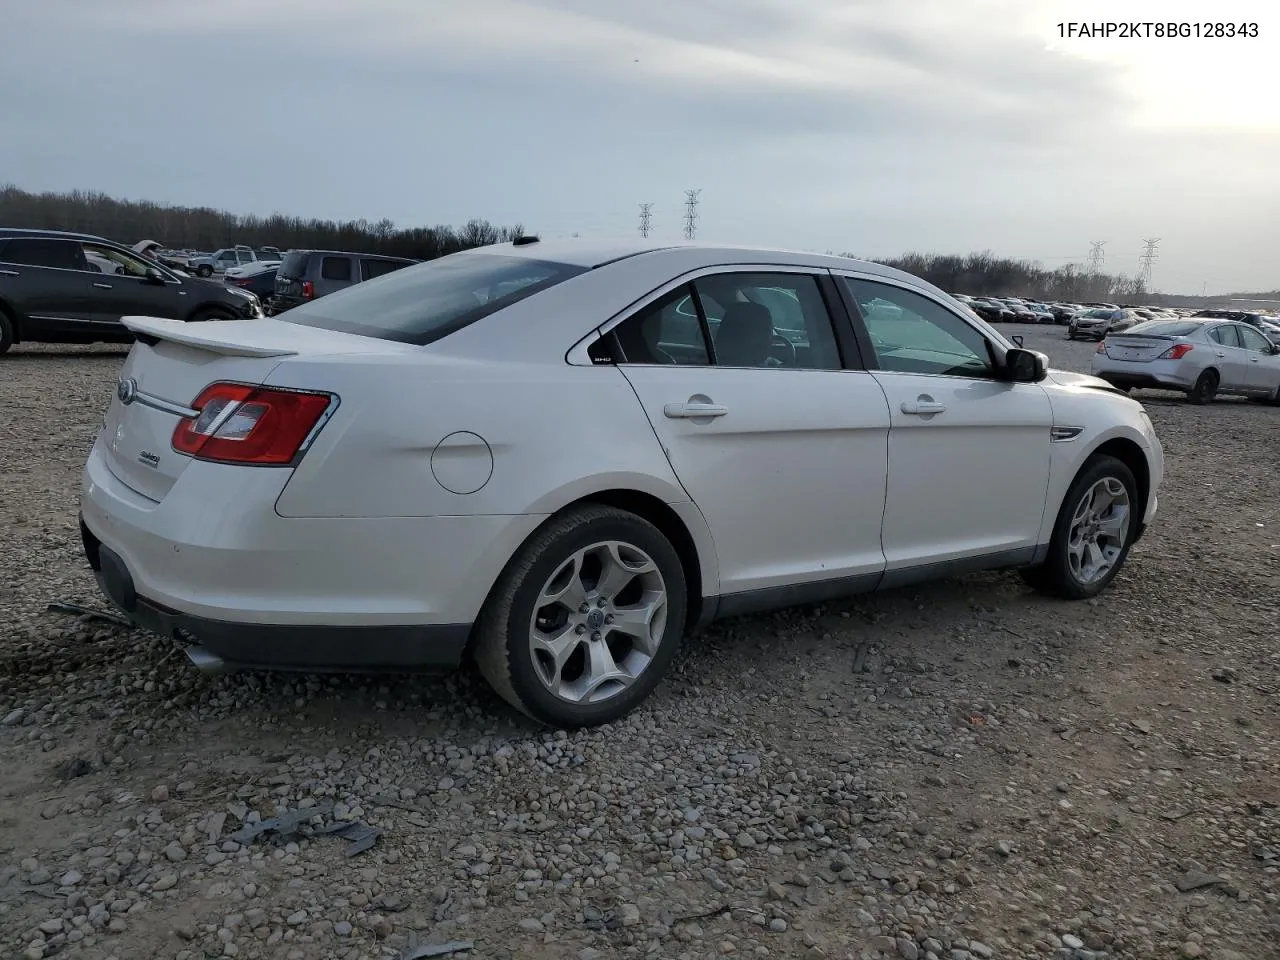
779, 340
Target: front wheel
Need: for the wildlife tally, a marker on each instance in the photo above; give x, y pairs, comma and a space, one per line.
204, 270
1093, 532
585, 619
6, 332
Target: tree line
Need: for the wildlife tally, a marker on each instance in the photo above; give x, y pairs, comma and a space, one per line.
206, 229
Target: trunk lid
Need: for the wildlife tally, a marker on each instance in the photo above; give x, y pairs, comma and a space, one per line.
1138, 347
172, 362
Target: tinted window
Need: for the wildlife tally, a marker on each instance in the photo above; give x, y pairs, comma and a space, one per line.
427, 301
294, 265
126, 263
666, 331
42, 252
1251, 339
913, 334
335, 268
768, 320
377, 268
1165, 328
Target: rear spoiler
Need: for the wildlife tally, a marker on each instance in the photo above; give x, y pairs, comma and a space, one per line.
205, 336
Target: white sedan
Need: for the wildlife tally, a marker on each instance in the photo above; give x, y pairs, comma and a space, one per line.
1200, 357
557, 458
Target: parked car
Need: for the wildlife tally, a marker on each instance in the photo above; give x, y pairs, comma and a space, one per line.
404, 495
1201, 357
992, 311
1098, 322
307, 275
57, 288
258, 278
220, 261
1268, 326
1042, 312
1021, 312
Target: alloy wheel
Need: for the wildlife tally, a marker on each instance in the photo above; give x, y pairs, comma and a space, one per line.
598, 622
1099, 530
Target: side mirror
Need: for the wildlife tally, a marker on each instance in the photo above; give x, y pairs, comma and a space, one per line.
153, 275
1025, 366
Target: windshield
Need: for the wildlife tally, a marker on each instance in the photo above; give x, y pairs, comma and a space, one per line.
427, 301
1164, 328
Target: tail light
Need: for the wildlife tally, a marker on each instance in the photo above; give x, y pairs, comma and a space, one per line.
258, 426
308, 289
1176, 352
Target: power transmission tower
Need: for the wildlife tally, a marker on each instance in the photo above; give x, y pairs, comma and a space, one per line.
1096, 256
646, 219
1149, 256
690, 212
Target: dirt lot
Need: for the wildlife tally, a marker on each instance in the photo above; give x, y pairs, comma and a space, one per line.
957, 771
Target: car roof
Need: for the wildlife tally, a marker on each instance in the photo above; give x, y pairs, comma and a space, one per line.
597, 253
350, 253
12, 232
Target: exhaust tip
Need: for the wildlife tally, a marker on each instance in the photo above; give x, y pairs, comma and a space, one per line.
204, 660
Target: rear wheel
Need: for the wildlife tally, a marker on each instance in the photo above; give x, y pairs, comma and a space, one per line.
6, 332
1205, 389
585, 619
1093, 532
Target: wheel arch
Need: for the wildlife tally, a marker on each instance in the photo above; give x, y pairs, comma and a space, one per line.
209, 306
1130, 453
14, 318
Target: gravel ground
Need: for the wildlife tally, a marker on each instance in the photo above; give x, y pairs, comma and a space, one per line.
963, 770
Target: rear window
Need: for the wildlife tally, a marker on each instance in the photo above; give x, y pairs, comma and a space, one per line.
294, 265
1164, 328
44, 252
427, 301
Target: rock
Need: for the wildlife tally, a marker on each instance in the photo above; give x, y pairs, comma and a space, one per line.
160, 794
342, 928
1072, 942
907, 949
12, 719
778, 925
117, 925
175, 852
70, 878
883, 944
1191, 950
166, 881
1142, 726
1196, 880
531, 925
980, 949
629, 914
50, 927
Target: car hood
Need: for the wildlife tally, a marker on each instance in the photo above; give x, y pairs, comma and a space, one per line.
1065, 378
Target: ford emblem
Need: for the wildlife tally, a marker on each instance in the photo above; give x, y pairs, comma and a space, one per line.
127, 390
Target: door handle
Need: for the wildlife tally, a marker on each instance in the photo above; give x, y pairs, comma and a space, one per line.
923, 406
693, 410
1219, 355
103, 286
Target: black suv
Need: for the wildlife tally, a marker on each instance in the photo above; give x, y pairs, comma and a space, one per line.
74, 288
306, 275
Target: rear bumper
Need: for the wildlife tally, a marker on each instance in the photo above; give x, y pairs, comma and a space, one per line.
214, 561
1154, 374
277, 646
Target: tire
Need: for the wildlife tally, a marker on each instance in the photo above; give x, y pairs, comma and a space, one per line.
1058, 576
204, 270
210, 313
6, 332
1205, 389
503, 646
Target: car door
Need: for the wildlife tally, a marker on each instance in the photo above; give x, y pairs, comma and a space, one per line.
131, 292
1262, 364
1229, 358
968, 451
783, 450
51, 284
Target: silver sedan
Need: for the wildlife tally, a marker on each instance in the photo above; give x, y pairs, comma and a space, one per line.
1200, 357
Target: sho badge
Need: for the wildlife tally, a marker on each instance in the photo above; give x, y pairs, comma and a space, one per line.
149, 458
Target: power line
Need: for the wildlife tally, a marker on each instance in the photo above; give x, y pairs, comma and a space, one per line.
1149, 257
1096, 256
646, 219
690, 212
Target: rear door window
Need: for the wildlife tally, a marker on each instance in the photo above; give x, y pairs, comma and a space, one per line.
377, 268
335, 268
45, 252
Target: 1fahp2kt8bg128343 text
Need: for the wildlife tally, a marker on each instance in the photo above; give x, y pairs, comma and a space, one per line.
1188, 30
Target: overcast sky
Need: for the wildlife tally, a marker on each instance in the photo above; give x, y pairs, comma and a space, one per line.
866, 126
